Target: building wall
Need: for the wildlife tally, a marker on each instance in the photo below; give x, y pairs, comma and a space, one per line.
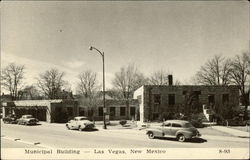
139, 95
49, 107
117, 104
149, 109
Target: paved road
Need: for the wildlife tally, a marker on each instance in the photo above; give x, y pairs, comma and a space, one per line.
9, 143
56, 135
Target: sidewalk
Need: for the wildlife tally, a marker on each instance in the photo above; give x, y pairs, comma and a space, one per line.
136, 131
231, 131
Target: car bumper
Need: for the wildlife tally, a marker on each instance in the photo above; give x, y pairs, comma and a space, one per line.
32, 123
197, 135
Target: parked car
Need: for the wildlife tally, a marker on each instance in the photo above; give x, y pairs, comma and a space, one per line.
80, 123
27, 120
180, 129
12, 119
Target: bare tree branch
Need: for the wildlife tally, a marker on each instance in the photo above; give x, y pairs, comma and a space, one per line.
11, 79
215, 72
51, 83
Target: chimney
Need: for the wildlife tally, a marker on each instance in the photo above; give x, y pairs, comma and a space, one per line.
170, 80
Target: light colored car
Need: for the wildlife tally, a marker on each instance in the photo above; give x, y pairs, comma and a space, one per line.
80, 123
179, 129
27, 120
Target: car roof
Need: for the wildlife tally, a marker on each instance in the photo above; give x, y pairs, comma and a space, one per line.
27, 115
176, 121
78, 117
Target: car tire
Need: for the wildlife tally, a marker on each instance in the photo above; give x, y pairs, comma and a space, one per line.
79, 128
67, 127
181, 138
151, 135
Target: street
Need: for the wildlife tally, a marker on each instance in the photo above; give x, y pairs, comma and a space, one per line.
57, 136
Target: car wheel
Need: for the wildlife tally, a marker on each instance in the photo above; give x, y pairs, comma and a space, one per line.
181, 138
79, 128
151, 135
67, 126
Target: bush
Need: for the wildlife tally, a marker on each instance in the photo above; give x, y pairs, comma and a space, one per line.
196, 123
123, 122
194, 119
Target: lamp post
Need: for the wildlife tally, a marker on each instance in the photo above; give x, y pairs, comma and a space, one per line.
103, 84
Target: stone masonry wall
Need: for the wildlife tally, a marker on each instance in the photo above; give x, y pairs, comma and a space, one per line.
149, 107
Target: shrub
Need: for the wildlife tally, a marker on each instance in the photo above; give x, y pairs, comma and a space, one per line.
196, 123
123, 122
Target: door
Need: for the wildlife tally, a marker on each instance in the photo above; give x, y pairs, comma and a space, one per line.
166, 128
74, 123
175, 127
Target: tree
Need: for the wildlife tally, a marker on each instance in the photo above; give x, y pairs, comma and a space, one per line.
126, 81
241, 74
88, 88
11, 79
30, 92
160, 77
51, 83
87, 85
216, 71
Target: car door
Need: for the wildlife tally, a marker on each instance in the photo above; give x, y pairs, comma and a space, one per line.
175, 127
166, 128
74, 123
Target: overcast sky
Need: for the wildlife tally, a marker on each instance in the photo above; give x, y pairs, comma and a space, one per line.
174, 36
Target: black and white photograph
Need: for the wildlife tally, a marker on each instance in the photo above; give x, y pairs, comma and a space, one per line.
90, 79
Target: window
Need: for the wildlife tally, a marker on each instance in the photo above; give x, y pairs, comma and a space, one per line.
70, 111
157, 99
83, 119
123, 111
171, 99
132, 111
100, 111
176, 125
211, 98
112, 111
225, 98
167, 124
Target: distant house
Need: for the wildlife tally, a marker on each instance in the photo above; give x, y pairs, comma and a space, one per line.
156, 101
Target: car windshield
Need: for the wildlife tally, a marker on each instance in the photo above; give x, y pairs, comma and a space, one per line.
83, 119
29, 116
188, 125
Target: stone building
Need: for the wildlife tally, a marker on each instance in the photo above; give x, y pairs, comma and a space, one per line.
156, 101
45, 110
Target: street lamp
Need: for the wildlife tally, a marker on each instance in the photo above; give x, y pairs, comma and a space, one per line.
103, 84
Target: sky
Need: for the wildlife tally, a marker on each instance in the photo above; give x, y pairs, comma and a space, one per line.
174, 36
